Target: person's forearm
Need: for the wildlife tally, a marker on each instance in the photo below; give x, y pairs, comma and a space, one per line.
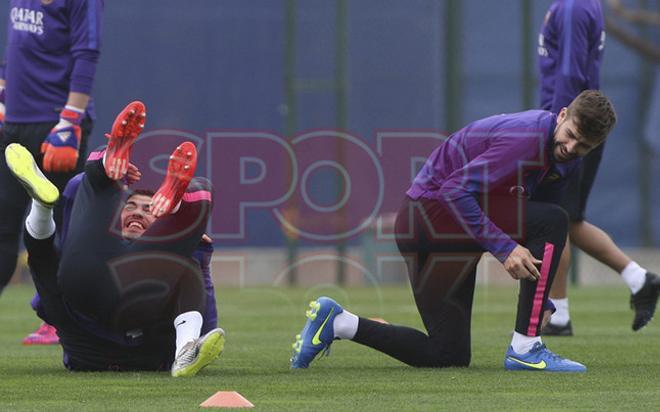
77, 100
470, 215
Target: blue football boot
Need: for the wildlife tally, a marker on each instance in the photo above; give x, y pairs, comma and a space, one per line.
318, 333
539, 358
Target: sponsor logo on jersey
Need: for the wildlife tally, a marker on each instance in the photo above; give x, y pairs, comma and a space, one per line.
26, 20
518, 191
542, 50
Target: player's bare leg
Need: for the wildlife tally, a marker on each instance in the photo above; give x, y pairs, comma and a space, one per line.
644, 286
598, 244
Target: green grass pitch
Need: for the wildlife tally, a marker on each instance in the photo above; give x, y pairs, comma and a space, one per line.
624, 367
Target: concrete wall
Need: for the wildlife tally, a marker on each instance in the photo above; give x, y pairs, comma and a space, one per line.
267, 266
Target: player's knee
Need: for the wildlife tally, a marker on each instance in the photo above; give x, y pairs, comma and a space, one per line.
459, 358
200, 183
556, 218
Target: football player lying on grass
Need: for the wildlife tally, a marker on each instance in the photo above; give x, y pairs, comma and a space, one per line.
124, 294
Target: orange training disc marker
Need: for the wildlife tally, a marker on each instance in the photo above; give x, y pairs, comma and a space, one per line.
228, 399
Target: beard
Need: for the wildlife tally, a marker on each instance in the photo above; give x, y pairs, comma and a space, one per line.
560, 155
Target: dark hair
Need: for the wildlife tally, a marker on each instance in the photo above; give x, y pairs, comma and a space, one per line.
594, 115
141, 192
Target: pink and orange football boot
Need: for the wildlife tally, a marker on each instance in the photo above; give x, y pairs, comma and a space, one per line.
180, 172
125, 130
45, 335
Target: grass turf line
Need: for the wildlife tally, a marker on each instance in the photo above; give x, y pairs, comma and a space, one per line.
624, 367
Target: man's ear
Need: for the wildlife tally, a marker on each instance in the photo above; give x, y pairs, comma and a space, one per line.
563, 113
561, 117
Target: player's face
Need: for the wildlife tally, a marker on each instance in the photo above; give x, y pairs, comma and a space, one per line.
136, 216
568, 144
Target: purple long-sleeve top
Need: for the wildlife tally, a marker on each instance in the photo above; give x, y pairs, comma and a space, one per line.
52, 49
507, 151
570, 49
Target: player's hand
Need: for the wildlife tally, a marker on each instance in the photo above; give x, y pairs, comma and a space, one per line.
133, 174
206, 238
60, 148
522, 265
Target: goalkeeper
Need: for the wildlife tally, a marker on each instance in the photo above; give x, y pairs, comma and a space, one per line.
46, 80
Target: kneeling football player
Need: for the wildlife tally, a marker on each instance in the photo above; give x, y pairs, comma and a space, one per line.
491, 186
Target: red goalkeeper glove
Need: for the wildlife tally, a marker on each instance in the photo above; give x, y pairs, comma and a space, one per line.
60, 148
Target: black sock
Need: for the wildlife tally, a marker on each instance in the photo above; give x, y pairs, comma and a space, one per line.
408, 345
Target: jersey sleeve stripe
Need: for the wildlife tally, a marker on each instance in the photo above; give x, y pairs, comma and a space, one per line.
92, 42
568, 35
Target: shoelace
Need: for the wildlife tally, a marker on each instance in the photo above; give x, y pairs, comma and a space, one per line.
188, 353
543, 349
326, 350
